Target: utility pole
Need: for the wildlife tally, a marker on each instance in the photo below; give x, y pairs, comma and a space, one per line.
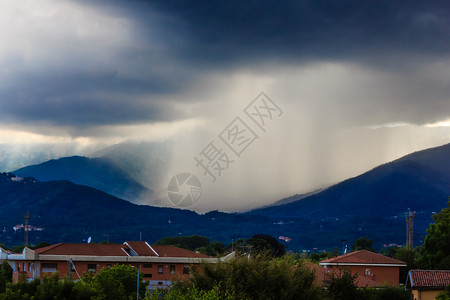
27, 217
410, 228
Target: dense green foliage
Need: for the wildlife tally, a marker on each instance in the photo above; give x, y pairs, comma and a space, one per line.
316, 257
343, 287
191, 293
48, 288
118, 282
185, 242
257, 278
410, 257
263, 243
5, 275
444, 295
216, 249
436, 247
363, 243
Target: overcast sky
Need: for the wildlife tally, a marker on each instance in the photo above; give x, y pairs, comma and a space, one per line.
359, 83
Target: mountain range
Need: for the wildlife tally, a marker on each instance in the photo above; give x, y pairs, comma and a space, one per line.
372, 204
129, 171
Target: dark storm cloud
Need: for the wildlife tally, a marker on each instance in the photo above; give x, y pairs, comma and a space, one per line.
224, 31
164, 46
83, 100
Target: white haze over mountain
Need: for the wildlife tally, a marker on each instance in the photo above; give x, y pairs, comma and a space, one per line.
358, 84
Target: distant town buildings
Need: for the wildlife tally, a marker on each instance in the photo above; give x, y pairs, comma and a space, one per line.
30, 228
285, 238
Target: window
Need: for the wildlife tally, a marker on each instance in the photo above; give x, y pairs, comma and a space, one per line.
148, 266
92, 268
172, 269
29, 267
18, 267
367, 272
186, 270
160, 269
49, 267
160, 282
108, 266
72, 267
148, 276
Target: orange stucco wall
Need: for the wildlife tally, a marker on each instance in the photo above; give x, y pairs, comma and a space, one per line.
383, 275
424, 295
24, 270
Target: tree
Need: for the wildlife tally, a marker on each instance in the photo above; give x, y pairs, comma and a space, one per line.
118, 282
410, 257
444, 295
191, 293
49, 287
436, 247
257, 277
40, 245
213, 249
343, 286
185, 242
363, 243
316, 257
5, 275
261, 243
17, 249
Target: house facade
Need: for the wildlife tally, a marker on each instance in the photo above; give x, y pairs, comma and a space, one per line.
427, 284
159, 265
3, 254
373, 269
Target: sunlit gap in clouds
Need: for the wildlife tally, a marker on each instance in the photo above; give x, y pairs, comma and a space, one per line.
439, 124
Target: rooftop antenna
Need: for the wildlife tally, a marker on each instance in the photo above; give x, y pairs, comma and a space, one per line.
344, 246
27, 217
410, 228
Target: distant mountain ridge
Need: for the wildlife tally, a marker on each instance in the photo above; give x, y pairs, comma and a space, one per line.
372, 204
420, 181
100, 173
130, 171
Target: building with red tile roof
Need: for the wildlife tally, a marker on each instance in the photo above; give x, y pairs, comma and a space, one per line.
158, 264
370, 267
427, 284
324, 275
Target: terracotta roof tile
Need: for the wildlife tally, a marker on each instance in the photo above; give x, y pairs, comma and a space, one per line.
83, 249
363, 257
43, 249
141, 248
429, 278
